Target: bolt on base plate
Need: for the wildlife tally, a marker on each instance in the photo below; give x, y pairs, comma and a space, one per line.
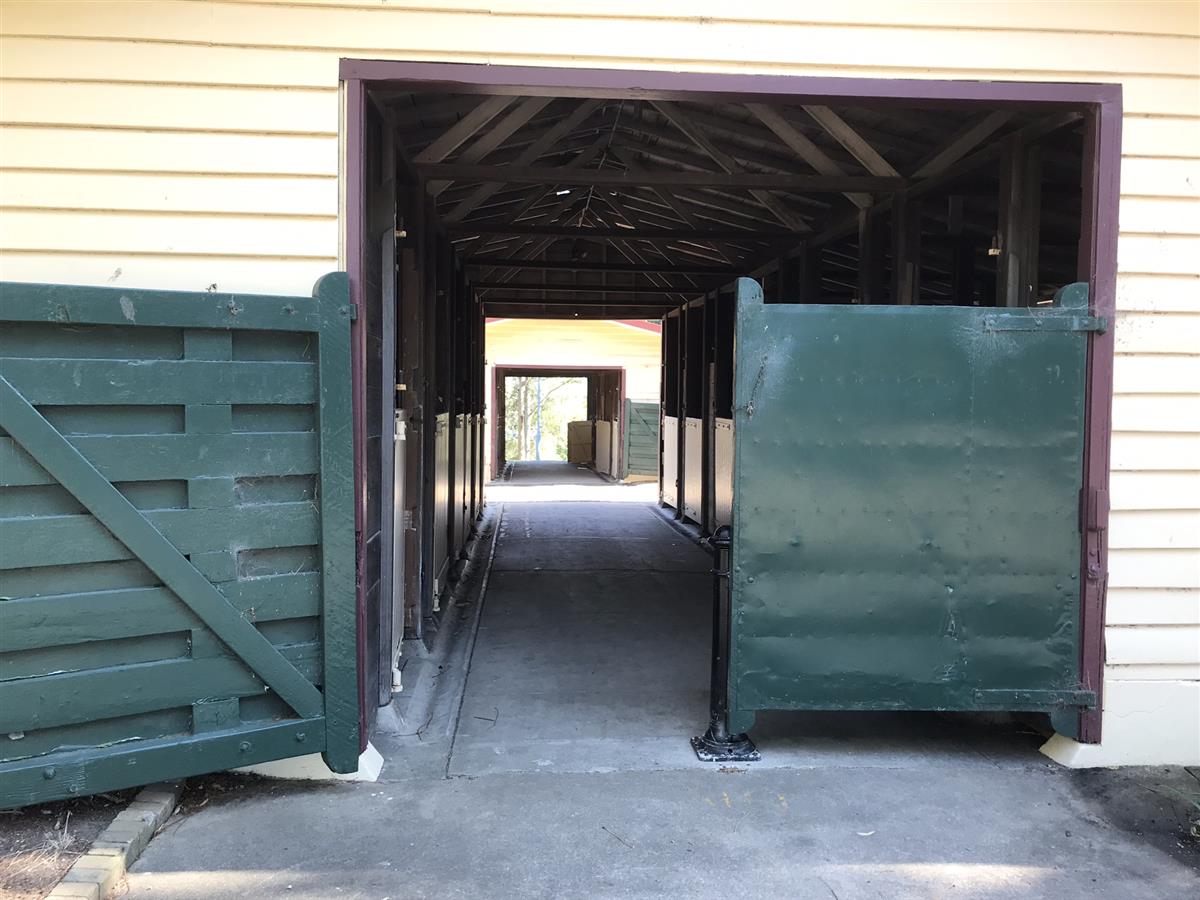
738, 748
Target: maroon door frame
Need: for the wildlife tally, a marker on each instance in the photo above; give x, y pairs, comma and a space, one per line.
500, 371
1098, 239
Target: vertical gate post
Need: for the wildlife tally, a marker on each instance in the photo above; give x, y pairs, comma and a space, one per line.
717, 744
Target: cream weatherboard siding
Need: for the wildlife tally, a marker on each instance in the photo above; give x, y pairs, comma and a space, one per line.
187, 144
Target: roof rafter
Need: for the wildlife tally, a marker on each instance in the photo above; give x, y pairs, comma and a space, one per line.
839, 129
680, 120
502, 131
463, 129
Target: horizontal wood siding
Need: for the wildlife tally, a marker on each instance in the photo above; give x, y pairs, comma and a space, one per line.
189, 144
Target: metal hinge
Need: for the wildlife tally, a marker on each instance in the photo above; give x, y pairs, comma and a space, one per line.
1044, 322
1032, 700
1093, 509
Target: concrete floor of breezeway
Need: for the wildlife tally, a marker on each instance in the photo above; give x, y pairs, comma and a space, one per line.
551, 760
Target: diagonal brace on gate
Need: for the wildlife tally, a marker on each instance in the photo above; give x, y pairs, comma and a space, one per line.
55, 453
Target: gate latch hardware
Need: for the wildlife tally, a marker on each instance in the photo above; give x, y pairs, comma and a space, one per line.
1045, 322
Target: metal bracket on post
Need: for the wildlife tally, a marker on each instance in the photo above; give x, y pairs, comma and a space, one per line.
717, 744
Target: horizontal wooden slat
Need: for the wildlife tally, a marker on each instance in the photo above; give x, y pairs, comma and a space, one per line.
256, 110
1150, 452
113, 232
663, 38
1154, 568
103, 615
1159, 136
1169, 255
174, 193
1155, 672
123, 150
1157, 332
1153, 644
82, 305
1156, 374
263, 275
1158, 412
68, 540
70, 698
1160, 215
1155, 490
1157, 293
156, 382
173, 456
1162, 177
1152, 607
1148, 529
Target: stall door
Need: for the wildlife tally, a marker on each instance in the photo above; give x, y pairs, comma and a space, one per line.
176, 535
906, 528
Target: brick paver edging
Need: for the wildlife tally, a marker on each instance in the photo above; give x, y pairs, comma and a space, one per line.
99, 871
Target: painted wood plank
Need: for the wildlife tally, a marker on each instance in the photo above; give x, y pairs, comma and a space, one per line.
1159, 254
1155, 672
251, 274
1158, 413
339, 623
1140, 606
89, 305
173, 456
128, 525
1157, 293
1156, 452
1154, 568
477, 34
1148, 490
171, 193
99, 231
71, 540
75, 697
1157, 332
1148, 529
187, 153
94, 769
63, 619
1153, 644
86, 381
1133, 374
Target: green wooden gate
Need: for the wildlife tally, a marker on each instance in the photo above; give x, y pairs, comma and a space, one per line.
176, 535
641, 438
906, 526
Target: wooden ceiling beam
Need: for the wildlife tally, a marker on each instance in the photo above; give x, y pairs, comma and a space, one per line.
494, 176
963, 143
579, 265
462, 130
839, 129
644, 234
529, 155
495, 136
804, 148
773, 204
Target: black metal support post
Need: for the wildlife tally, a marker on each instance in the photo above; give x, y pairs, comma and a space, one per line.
717, 744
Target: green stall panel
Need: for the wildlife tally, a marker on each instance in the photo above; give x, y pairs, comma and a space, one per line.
641, 438
176, 535
906, 528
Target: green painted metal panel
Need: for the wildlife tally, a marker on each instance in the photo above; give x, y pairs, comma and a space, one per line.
641, 438
925, 553
176, 535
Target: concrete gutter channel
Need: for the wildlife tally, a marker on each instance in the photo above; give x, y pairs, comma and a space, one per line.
99, 872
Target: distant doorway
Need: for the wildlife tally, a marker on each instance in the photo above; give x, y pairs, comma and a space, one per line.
533, 408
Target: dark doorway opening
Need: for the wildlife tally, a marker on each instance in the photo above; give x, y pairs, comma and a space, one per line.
587, 193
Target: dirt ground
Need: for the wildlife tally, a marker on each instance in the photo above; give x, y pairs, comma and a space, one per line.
39, 843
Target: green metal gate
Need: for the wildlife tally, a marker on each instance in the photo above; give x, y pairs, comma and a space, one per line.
925, 553
176, 535
641, 438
